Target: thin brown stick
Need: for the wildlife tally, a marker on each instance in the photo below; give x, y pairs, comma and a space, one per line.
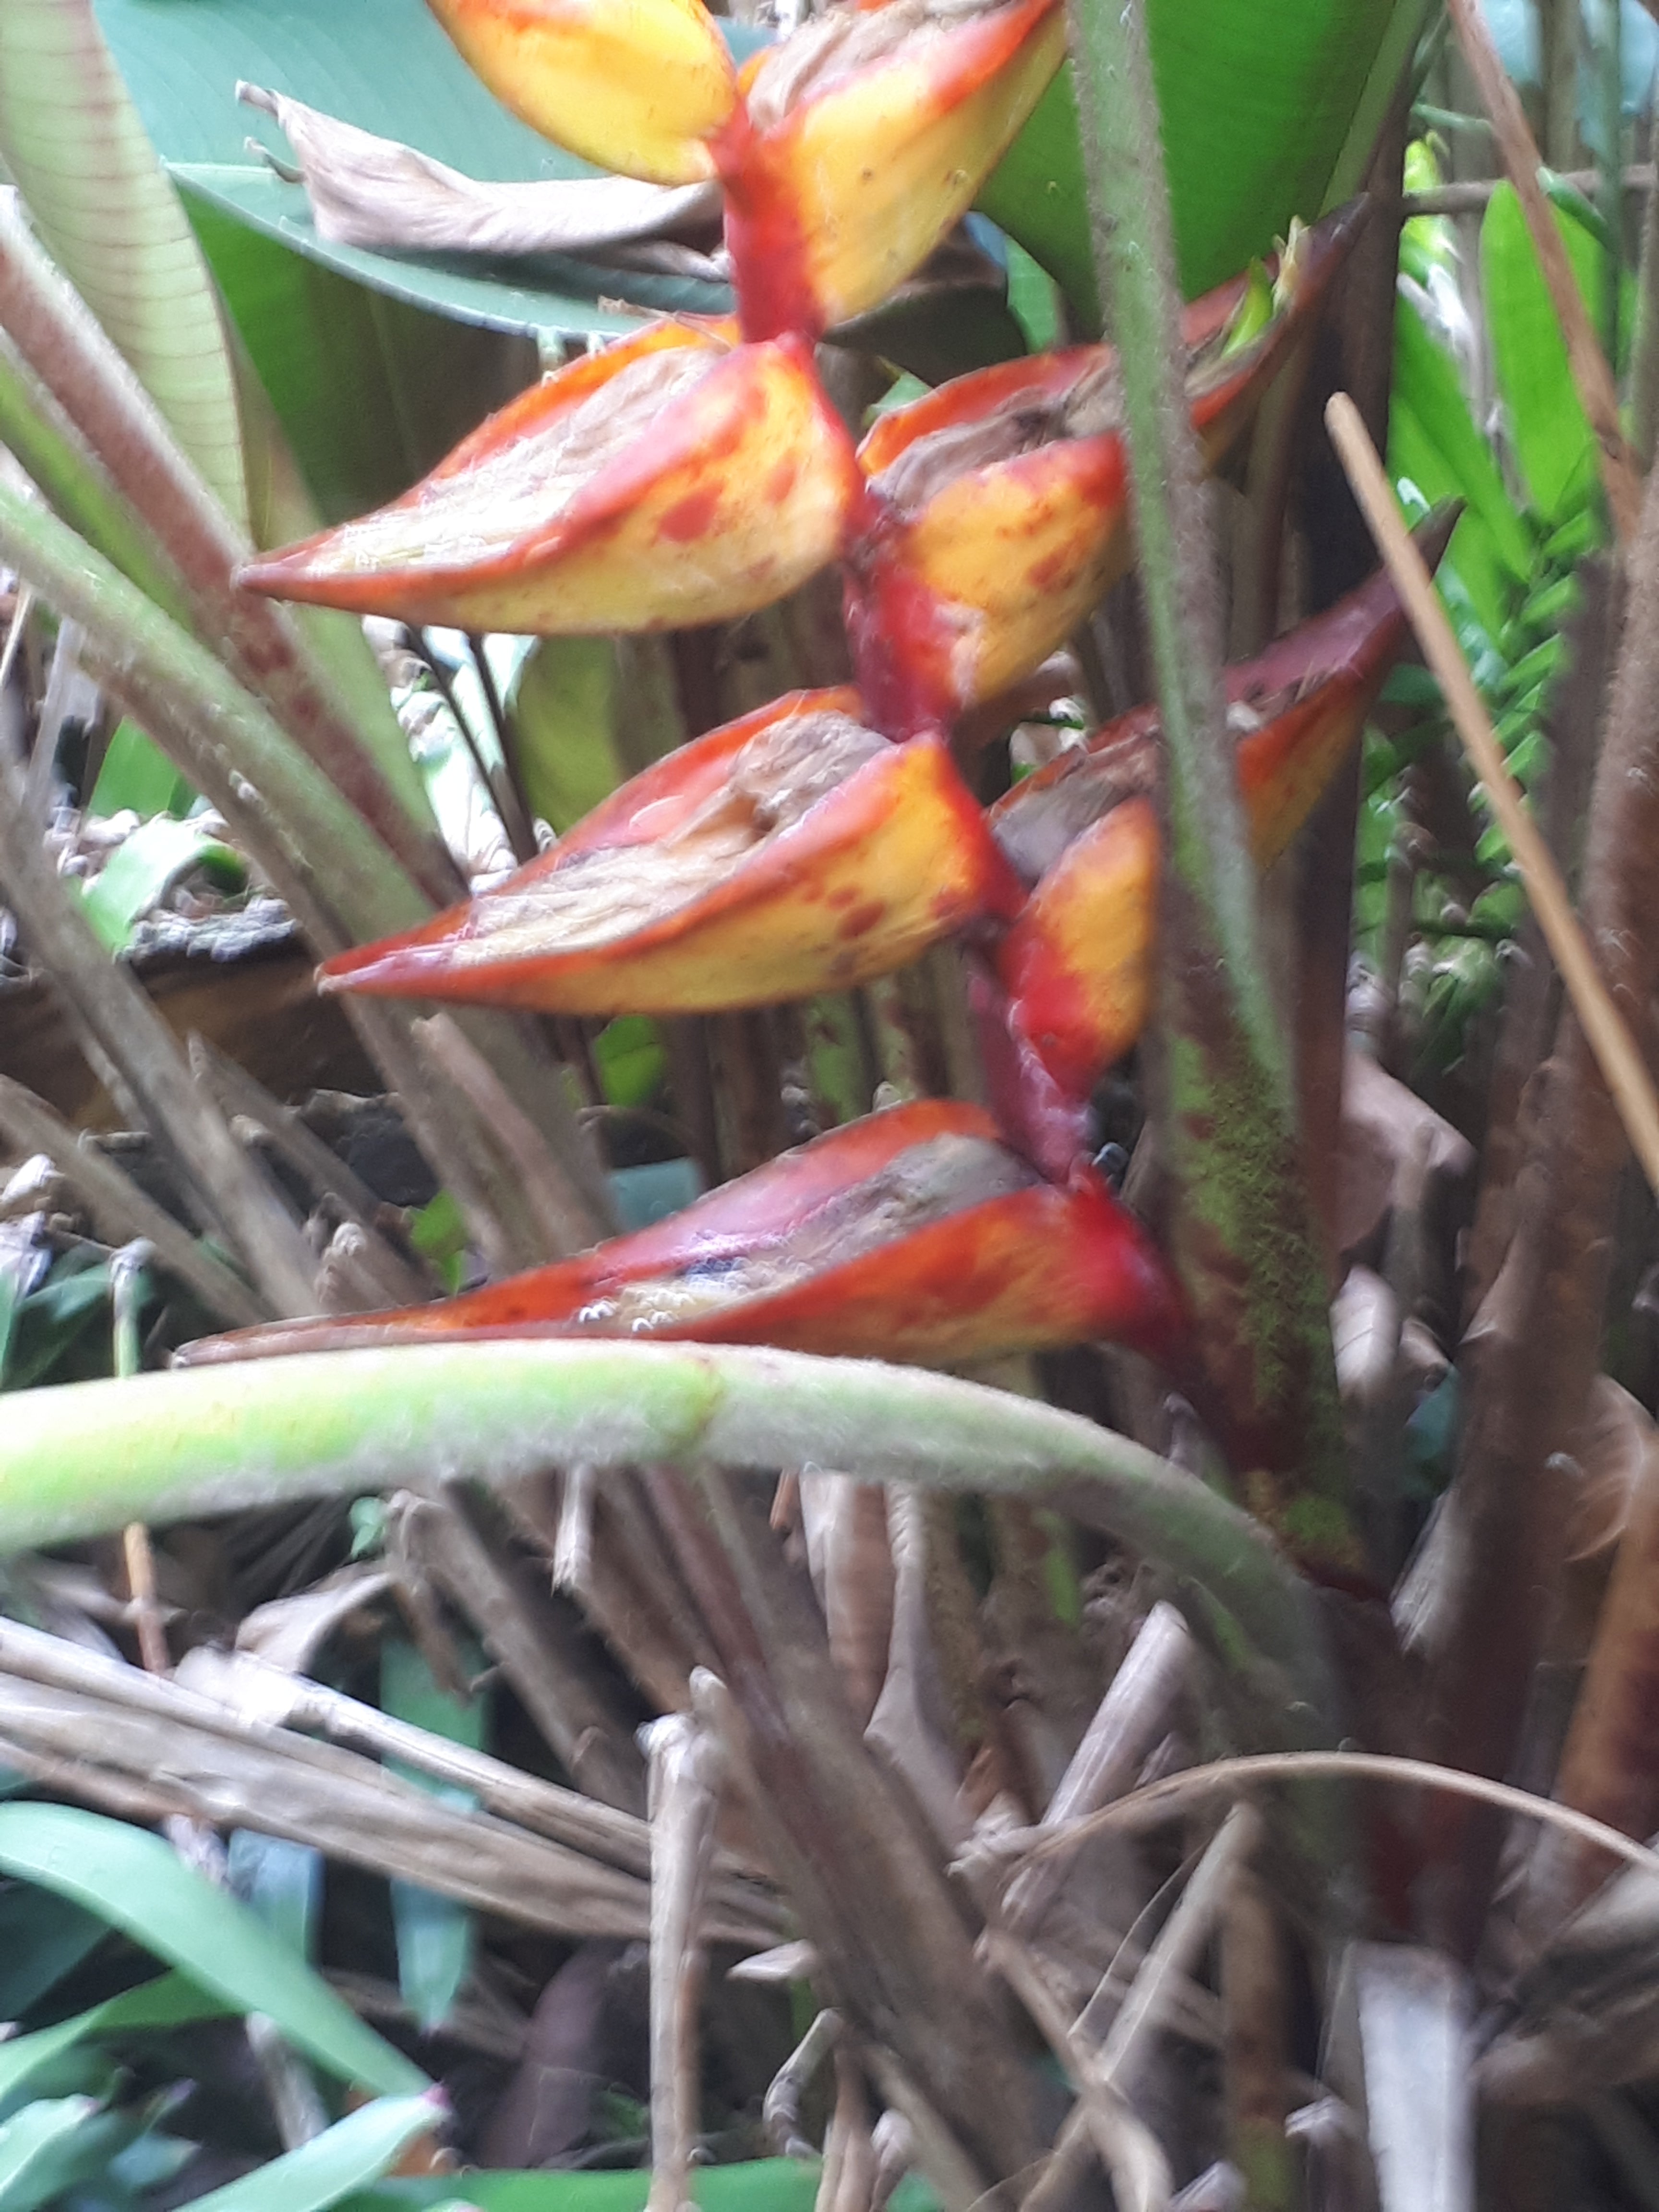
1592, 377
1622, 1065
1178, 1793
1473, 194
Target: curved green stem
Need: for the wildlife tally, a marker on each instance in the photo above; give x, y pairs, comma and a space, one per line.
91, 1456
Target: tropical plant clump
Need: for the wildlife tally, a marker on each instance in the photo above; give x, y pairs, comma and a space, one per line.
874, 1842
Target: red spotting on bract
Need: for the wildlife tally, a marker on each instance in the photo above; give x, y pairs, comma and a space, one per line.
1075, 968
912, 1235
791, 851
859, 143
638, 488
1002, 501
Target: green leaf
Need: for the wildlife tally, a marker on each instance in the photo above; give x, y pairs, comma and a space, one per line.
170, 2001
631, 1059
42, 1938
563, 707
434, 1934
1033, 299
50, 1322
376, 362
332, 2165
141, 871
1426, 381
281, 1882
31, 2145
74, 142
652, 1192
137, 775
1553, 443
1257, 111
134, 1880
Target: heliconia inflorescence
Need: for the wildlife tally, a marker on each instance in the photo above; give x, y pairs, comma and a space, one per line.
696, 472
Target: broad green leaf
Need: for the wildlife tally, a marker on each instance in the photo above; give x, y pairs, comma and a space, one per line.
1257, 109
1427, 382
142, 870
31, 2143
1422, 478
75, 143
1553, 443
372, 389
434, 1934
74, 139
376, 362
333, 2165
170, 2001
134, 1880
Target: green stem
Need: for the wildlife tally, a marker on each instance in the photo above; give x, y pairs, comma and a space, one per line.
36, 431
91, 1456
1244, 1235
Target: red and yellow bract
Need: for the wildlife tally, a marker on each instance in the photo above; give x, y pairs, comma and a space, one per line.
673, 479
811, 1252
792, 851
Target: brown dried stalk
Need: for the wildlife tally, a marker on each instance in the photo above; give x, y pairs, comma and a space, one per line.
146, 1747
113, 1005
537, 1646
1508, 1506
687, 1766
120, 1210
69, 353
895, 1955
1130, 1721
249, 1691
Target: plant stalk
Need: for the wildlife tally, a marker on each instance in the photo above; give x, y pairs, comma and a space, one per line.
1245, 1241
89, 1457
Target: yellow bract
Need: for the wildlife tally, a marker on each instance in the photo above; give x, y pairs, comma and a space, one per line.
883, 165
636, 86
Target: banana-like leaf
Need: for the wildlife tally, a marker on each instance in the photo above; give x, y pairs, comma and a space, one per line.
335, 58
75, 143
1257, 113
